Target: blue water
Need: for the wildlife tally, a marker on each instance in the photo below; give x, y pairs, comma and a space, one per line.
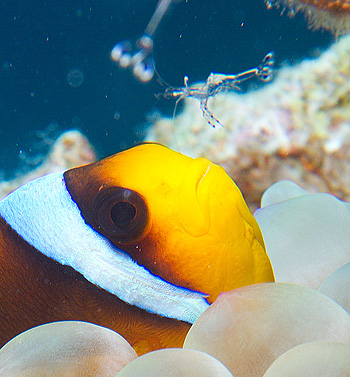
56, 68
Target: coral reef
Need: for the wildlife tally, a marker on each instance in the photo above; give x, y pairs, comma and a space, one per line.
332, 15
70, 149
296, 127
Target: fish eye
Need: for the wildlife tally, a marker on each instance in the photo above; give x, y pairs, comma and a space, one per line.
121, 214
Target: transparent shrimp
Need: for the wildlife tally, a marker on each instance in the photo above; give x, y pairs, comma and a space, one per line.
141, 61
216, 83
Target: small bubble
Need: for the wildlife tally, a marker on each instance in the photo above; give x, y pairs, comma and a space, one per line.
6, 65
75, 77
116, 115
123, 145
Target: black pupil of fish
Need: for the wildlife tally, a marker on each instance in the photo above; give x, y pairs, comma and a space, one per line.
122, 214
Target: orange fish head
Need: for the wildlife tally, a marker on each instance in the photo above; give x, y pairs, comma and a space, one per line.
181, 218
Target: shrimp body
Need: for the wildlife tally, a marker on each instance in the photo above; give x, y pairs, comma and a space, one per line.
216, 83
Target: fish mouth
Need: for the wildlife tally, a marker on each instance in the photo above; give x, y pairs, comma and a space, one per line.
194, 198
203, 175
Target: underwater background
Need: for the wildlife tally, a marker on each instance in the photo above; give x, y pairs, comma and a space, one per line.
56, 71
181, 226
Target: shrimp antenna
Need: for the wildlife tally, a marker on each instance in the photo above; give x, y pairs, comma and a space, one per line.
160, 79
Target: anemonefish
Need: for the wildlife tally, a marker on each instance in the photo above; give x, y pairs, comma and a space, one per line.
141, 242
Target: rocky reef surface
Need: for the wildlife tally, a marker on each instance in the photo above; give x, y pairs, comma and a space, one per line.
297, 127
